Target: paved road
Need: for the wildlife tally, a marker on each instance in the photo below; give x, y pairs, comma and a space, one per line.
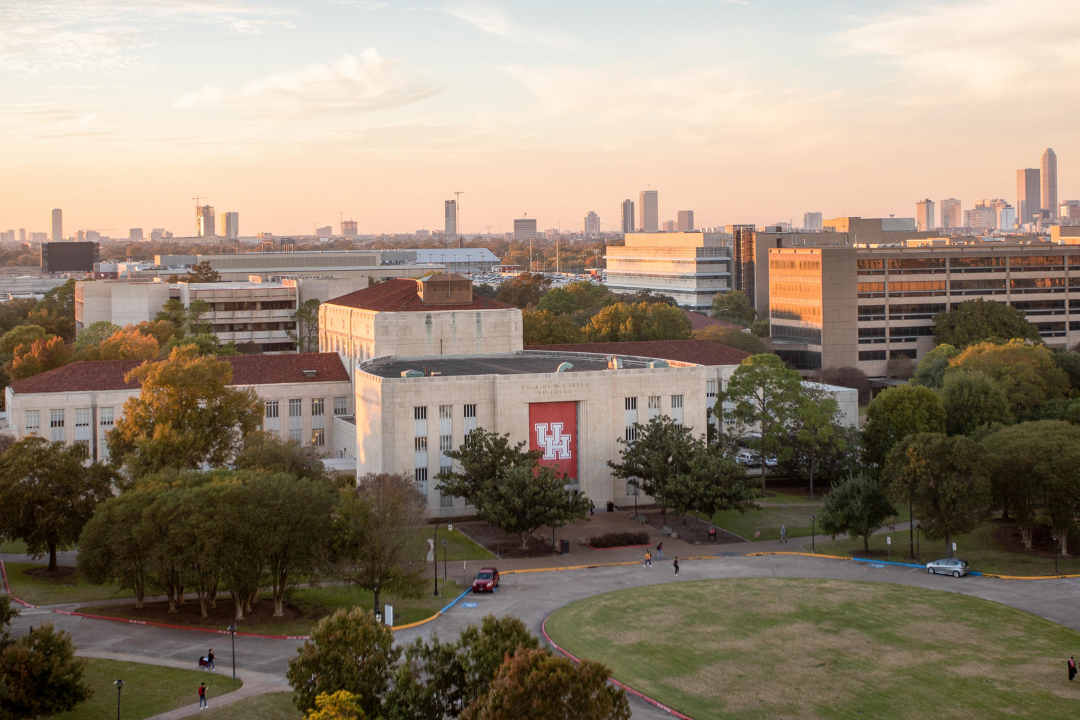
534, 596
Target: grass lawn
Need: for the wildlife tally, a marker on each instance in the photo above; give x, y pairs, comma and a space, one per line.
148, 690
55, 591
795, 648
458, 545
271, 706
15, 547
981, 548
767, 521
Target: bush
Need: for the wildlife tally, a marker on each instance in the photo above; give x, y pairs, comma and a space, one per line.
622, 539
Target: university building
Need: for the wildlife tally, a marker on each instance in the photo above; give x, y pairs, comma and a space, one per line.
691, 267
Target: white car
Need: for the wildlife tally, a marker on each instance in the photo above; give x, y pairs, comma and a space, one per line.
948, 566
748, 458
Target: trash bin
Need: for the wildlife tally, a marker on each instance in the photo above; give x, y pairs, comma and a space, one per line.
712, 536
565, 546
611, 507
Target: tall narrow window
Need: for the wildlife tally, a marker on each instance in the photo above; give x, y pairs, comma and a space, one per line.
33, 422
677, 409
56, 425
631, 419
271, 408
105, 417
341, 406
318, 405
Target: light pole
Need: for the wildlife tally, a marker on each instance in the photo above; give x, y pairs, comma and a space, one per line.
911, 523
435, 557
813, 533
918, 543
1055, 553
119, 686
232, 633
444, 562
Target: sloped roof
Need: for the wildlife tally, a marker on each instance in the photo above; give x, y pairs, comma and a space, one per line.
700, 321
701, 352
400, 295
247, 370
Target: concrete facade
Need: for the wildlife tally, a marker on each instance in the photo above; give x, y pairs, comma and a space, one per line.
691, 267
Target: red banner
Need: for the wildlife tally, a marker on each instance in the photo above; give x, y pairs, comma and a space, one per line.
553, 431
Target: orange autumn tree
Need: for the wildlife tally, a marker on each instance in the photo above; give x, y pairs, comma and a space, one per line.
129, 344
40, 355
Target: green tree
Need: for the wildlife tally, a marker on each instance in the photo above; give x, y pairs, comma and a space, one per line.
945, 479
202, 272
375, 538
972, 401
629, 322
544, 327
306, 334
896, 413
733, 338
1069, 363
483, 458
94, 334
932, 368
20, 335
47, 495
978, 321
525, 290
534, 685
733, 306
271, 453
560, 301
348, 651
117, 544
858, 507
761, 328
765, 394
815, 430
1066, 410
185, 415
7, 614
56, 312
1027, 374
527, 497
660, 451
40, 675
711, 482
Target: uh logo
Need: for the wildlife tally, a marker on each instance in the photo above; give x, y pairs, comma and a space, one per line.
556, 445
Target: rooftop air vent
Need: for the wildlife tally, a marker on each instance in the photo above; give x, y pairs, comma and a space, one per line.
658, 364
411, 373
565, 367
310, 373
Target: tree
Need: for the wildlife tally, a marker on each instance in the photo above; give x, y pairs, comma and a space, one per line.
858, 507
527, 497
483, 458
160, 330
348, 651
271, 453
40, 675
546, 328
185, 415
1027, 374
342, 705
7, 614
896, 413
761, 328
525, 290
534, 685
944, 478
375, 535
971, 401
117, 544
626, 322
202, 272
94, 334
306, 335
485, 290
560, 301
56, 312
733, 306
129, 344
978, 321
711, 482
849, 377
660, 451
47, 495
932, 368
39, 356
901, 368
21, 335
815, 430
733, 338
1069, 363
765, 393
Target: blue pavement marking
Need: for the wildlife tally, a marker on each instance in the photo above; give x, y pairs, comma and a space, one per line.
456, 600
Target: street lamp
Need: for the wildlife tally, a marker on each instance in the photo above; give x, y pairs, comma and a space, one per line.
232, 632
435, 558
119, 686
444, 562
1055, 553
813, 533
918, 543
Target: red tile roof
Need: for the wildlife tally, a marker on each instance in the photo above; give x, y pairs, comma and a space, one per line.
400, 295
247, 370
700, 321
701, 352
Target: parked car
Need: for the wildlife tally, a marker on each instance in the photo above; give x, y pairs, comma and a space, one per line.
748, 458
486, 580
948, 566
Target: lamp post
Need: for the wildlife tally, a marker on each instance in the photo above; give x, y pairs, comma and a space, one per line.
435, 558
911, 523
813, 533
444, 562
1055, 538
232, 633
119, 686
918, 543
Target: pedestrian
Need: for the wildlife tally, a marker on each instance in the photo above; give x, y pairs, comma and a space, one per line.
676, 564
783, 533
592, 507
660, 550
1072, 669
648, 559
202, 697
210, 659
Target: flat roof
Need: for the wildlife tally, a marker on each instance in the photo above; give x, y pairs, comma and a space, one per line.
530, 364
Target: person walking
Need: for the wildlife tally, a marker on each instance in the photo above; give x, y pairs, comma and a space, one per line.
202, 697
648, 559
660, 550
592, 507
676, 564
783, 533
210, 659
1072, 668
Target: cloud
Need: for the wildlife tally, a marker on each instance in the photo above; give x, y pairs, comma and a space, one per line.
491, 18
349, 85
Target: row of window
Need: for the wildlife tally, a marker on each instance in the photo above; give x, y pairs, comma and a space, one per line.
892, 354
296, 407
58, 418
631, 406
446, 444
240, 306
993, 286
976, 264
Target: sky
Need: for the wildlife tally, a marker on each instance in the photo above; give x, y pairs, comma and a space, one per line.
121, 112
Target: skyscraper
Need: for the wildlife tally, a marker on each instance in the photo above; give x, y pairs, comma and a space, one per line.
204, 221
592, 224
1049, 182
524, 228
349, 228
627, 216
649, 215
450, 217
951, 214
57, 224
924, 215
686, 221
22, 234
230, 225
811, 222
1028, 202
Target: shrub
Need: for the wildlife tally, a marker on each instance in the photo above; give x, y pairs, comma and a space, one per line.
622, 539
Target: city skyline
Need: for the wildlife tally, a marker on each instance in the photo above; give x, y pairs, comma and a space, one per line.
289, 112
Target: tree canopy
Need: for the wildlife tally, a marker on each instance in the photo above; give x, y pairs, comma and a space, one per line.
544, 327
734, 338
977, 321
733, 306
627, 322
973, 401
932, 368
857, 506
1026, 374
202, 272
40, 675
525, 290
896, 413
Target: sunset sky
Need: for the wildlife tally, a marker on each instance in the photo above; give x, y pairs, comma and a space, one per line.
122, 111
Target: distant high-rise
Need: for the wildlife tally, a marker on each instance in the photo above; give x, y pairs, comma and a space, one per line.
648, 211
1028, 201
22, 234
1006, 217
1069, 210
951, 214
668, 226
450, 217
230, 225
57, 224
524, 228
592, 224
326, 231
1049, 182
627, 216
349, 228
811, 222
204, 222
135, 234
924, 215
686, 221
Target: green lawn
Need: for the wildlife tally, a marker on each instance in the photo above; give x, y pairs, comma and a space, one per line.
767, 521
148, 690
795, 648
271, 706
458, 546
55, 591
980, 548
15, 547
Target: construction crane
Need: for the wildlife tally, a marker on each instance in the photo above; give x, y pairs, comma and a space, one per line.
457, 209
497, 227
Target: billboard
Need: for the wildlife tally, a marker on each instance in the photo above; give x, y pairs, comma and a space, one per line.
553, 432
59, 257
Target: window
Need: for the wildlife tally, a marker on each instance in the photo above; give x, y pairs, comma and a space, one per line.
871, 312
446, 444
866, 355
296, 434
105, 417
318, 405
870, 267
318, 437
419, 413
341, 406
677, 409
977, 264
446, 501
916, 265
632, 488
631, 433
787, 333
903, 353
1037, 262
446, 412
676, 401
296, 408
82, 417
921, 311
1037, 285
631, 403
56, 425
917, 288
871, 336
977, 287
710, 389
271, 408
420, 444
1051, 329
470, 418
654, 406
470, 411
920, 331
420, 475
33, 422
1040, 307
871, 289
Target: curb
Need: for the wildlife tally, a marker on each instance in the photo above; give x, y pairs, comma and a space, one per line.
616, 683
910, 565
618, 547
